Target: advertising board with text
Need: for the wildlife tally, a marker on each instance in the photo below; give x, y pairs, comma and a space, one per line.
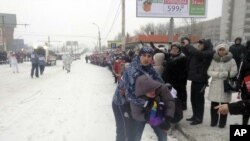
171, 8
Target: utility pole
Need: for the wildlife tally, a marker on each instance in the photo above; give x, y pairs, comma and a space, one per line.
123, 26
100, 39
171, 30
48, 41
99, 34
3, 34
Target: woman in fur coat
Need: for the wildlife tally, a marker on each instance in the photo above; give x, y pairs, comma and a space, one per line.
223, 66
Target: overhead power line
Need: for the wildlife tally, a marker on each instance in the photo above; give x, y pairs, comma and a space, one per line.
115, 19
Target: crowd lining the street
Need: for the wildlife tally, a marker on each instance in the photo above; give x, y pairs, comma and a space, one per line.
151, 85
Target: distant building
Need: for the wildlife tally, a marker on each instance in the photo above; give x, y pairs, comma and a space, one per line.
17, 45
235, 21
209, 29
7, 26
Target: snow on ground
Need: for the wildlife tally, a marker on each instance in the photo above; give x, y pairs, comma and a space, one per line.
58, 106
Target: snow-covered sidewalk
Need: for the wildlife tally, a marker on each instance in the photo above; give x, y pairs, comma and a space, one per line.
58, 106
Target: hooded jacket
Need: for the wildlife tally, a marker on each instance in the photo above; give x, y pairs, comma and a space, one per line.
145, 84
238, 51
219, 70
130, 75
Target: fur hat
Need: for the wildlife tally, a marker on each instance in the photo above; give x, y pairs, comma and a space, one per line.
223, 45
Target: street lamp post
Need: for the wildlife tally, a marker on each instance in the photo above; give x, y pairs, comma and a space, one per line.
98, 35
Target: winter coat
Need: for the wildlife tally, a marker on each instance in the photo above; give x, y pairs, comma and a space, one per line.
134, 70
41, 60
119, 96
198, 62
13, 59
67, 59
175, 71
218, 70
158, 62
240, 107
238, 51
34, 58
145, 84
245, 71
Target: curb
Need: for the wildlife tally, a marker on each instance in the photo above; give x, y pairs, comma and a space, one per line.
187, 136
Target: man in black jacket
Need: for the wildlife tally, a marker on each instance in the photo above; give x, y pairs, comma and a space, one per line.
199, 60
238, 51
236, 108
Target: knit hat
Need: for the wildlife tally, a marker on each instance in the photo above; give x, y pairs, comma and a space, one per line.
146, 49
185, 38
176, 45
201, 41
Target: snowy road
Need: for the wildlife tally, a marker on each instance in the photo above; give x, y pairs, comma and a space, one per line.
58, 106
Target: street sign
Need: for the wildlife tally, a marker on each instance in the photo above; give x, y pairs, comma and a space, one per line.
171, 8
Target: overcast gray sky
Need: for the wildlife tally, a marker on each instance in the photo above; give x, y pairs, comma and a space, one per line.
75, 18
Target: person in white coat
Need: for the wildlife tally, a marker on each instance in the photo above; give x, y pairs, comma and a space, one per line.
223, 66
14, 63
67, 60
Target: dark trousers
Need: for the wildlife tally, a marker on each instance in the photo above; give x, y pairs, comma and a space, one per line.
137, 130
215, 116
245, 119
197, 99
181, 94
42, 67
34, 68
122, 123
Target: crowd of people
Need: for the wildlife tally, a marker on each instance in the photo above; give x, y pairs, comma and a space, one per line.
151, 85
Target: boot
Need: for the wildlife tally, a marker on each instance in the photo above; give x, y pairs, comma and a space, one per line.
223, 121
214, 115
245, 119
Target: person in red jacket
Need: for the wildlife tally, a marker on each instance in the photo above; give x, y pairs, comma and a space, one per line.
116, 68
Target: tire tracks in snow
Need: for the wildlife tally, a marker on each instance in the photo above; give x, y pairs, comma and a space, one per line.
10, 113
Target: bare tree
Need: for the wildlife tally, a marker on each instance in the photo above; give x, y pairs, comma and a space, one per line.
162, 29
148, 29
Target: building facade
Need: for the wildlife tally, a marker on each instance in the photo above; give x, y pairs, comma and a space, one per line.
7, 26
235, 20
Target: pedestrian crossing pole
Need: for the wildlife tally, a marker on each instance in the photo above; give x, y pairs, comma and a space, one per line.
123, 26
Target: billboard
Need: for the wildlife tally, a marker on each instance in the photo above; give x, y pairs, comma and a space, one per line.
171, 8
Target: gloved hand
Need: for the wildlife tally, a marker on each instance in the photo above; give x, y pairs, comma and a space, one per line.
223, 74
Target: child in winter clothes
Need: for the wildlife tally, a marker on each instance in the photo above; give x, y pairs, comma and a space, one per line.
160, 103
